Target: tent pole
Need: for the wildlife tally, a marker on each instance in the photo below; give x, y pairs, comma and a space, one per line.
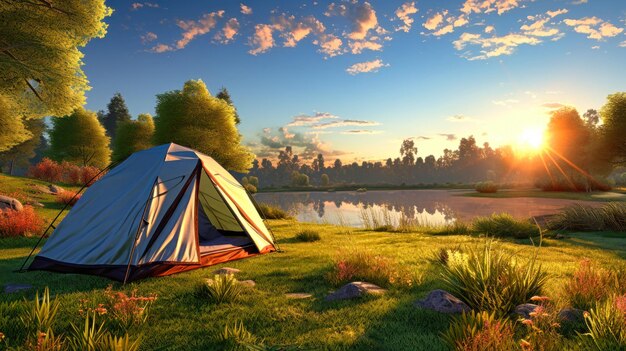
256, 204
139, 228
21, 270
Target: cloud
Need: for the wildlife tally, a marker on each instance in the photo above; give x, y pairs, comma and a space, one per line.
246, 10
440, 23
489, 29
539, 29
553, 14
461, 118
306, 120
493, 46
579, 2
487, 6
160, 48
444, 30
306, 146
422, 137
449, 137
364, 67
404, 13
361, 131
137, 5
345, 123
506, 102
262, 40
356, 47
148, 37
192, 29
553, 105
594, 27
434, 21
622, 44
329, 44
228, 32
361, 15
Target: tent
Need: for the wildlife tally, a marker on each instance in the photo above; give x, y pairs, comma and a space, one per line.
163, 210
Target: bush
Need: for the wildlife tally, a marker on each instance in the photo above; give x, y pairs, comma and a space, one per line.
20, 223
611, 216
504, 225
126, 311
576, 184
272, 212
607, 325
308, 236
47, 170
475, 331
222, 288
591, 284
486, 187
358, 264
490, 280
67, 197
41, 314
250, 188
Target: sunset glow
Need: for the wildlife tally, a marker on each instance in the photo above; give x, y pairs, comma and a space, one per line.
531, 139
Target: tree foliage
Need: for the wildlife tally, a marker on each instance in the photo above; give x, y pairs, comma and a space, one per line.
117, 114
12, 129
79, 138
20, 154
40, 65
408, 152
133, 136
194, 118
613, 115
225, 95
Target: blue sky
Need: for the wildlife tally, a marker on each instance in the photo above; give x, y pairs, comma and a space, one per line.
352, 79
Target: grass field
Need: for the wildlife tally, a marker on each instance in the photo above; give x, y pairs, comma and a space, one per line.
615, 195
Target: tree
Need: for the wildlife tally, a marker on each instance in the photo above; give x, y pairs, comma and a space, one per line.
20, 154
12, 129
254, 181
318, 163
325, 181
79, 138
592, 118
225, 95
117, 114
408, 152
133, 136
40, 69
614, 126
194, 118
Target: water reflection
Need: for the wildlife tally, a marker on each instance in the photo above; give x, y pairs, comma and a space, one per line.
431, 206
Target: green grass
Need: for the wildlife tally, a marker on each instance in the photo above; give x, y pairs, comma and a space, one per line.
614, 195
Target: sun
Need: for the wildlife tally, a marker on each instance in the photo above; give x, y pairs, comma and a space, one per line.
531, 139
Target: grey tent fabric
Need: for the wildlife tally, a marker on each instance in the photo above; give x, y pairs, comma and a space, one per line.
151, 214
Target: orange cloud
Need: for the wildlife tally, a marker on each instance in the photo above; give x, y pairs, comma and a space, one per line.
404, 13
364, 67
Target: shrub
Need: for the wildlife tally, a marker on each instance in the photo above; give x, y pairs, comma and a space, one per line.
45, 342
442, 255
541, 330
588, 285
222, 288
308, 236
236, 337
359, 264
125, 310
477, 331
272, 212
490, 280
20, 223
486, 187
68, 197
47, 170
90, 337
504, 225
72, 173
250, 188
611, 216
607, 325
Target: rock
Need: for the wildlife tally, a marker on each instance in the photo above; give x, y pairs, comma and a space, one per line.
11, 203
442, 301
55, 189
35, 204
42, 189
298, 296
572, 315
14, 288
226, 270
559, 236
354, 290
248, 283
525, 310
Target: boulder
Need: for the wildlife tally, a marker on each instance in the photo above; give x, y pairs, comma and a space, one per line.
248, 283
354, 290
298, 296
572, 315
442, 301
524, 310
55, 189
42, 189
12, 288
10, 203
226, 270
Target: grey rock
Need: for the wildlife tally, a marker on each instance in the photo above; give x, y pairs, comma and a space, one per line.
10, 203
298, 296
12, 288
35, 204
442, 301
248, 283
226, 270
42, 189
55, 189
524, 310
572, 315
354, 290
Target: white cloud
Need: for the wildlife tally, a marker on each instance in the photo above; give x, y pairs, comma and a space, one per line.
364, 67
246, 10
434, 21
622, 44
594, 27
361, 132
356, 47
345, 123
487, 6
506, 102
262, 40
493, 46
539, 29
489, 29
307, 120
553, 14
404, 13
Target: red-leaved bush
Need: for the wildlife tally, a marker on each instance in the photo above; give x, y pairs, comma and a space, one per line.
47, 170
67, 197
20, 223
588, 285
65, 172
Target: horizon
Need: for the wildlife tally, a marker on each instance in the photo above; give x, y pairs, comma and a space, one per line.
403, 69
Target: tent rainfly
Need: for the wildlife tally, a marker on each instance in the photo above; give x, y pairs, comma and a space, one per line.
163, 210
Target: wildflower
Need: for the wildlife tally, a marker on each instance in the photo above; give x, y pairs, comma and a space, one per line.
527, 322
525, 345
540, 298
1, 336
586, 314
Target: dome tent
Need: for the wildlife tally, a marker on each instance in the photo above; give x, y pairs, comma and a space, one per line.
163, 210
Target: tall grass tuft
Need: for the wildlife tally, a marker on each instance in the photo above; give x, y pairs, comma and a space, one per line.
476, 331
591, 284
384, 220
41, 314
221, 289
88, 338
611, 216
486, 187
504, 226
491, 280
236, 337
308, 236
607, 325
273, 212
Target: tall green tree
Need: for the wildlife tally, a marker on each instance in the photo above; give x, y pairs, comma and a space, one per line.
40, 61
225, 95
20, 154
117, 113
193, 118
12, 129
408, 150
613, 129
79, 138
133, 136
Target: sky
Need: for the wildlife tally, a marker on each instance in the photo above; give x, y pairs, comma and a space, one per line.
352, 79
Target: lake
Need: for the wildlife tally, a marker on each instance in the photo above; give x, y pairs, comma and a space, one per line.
429, 206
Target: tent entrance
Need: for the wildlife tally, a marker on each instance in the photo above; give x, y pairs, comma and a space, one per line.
218, 229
